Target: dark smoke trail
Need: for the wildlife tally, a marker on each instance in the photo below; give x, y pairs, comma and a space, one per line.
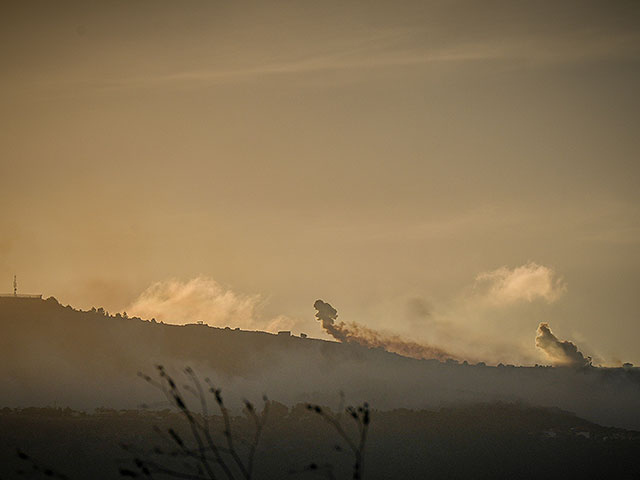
354, 333
561, 352
328, 315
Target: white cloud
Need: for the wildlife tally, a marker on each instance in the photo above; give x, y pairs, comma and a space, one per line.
528, 282
203, 299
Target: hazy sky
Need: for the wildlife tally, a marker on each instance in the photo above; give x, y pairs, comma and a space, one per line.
452, 171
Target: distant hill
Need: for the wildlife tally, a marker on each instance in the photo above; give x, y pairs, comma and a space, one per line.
51, 354
481, 441
96, 340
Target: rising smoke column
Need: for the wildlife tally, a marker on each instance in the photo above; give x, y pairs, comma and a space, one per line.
328, 315
563, 353
354, 333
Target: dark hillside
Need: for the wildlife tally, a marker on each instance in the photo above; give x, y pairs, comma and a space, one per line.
101, 343
50, 354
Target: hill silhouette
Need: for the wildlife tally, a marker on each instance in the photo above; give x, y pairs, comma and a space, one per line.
55, 355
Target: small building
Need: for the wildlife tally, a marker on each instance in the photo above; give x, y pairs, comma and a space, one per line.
284, 333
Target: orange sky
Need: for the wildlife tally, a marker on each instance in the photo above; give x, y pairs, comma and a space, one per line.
401, 160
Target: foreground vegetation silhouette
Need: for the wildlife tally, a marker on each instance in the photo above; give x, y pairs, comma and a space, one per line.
206, 457
497, 440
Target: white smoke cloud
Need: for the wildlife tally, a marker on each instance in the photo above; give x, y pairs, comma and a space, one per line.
528, 282
204, 299
560, 352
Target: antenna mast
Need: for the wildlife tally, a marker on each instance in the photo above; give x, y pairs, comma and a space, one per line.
15, 286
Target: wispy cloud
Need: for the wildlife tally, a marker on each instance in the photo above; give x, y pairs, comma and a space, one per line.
364, 51
313, 65
389, 52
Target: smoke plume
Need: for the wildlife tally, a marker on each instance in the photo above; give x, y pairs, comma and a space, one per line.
564, 353
202, 298
354, 333
528, 282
